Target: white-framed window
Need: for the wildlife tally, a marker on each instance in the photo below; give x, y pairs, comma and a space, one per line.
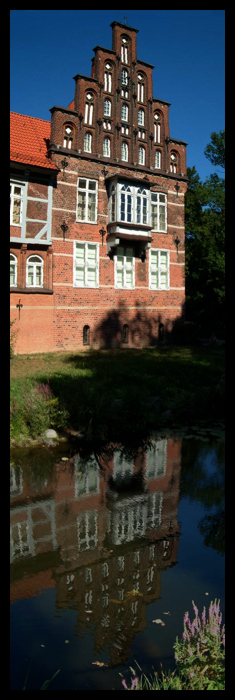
141, 155
124, 51
141, 206
158, 160
107, 108
173, 163
141, 117
157, 129
89, 109
68, 136
158, 211
13, 270
34, 271
126, 204
87, 142
159, 269
124, 151
106, 147
87, 200
140, 89
124, 268
108, 78
124, 77
86, 264
124, 114
16, 203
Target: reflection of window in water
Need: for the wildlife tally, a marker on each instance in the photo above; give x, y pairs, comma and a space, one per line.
137, 557
88, 576
88, 597
16, 481
87, 524
122, 469
19, 538
130, 522
154, 515
105, 569
86, 479
120, 563
156, 460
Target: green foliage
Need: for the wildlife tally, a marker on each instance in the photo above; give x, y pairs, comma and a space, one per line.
205, 241
199, 657
201, 653
33, 409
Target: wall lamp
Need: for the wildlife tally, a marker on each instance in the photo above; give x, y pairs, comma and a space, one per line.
176, 240
64, 228
177, 187
19, 306
102, 233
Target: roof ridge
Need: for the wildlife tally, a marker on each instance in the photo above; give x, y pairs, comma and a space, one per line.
47, 121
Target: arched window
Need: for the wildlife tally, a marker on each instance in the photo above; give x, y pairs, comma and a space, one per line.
34, 271
108, 78
106, 147
124, 50
126, 204
68, 136
124, 115
13, 270
173, 163
158, 159
141, 206
89, 108
107, 108
124, 151
125, 333
141, 117
157, 128
87, 142
141, 155
140, 89
86, 335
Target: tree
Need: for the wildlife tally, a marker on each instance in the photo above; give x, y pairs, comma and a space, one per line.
205, 241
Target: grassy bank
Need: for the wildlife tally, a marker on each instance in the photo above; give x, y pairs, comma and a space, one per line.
116, 394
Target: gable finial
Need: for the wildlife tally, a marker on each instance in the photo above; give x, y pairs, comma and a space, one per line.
125, 19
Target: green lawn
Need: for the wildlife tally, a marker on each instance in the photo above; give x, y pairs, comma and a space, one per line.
125, 390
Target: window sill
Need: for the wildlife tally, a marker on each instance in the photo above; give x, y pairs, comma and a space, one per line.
31, 290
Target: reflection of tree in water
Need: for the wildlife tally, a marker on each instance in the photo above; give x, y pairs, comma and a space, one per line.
212, 527
203, 480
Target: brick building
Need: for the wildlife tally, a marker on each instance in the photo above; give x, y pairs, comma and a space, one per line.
97, 212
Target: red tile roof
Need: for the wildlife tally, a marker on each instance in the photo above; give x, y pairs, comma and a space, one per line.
28, 137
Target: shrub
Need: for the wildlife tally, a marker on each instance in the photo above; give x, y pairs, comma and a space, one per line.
199, 657
34, 409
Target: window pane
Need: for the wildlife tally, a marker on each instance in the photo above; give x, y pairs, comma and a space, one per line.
80, 253
91, 207
30, 275
81, 205
38, 275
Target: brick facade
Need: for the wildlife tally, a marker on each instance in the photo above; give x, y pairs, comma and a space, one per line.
97, 218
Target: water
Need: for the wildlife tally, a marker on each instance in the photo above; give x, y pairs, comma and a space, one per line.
101, 548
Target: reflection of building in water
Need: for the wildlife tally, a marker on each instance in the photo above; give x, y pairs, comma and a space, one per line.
115, 528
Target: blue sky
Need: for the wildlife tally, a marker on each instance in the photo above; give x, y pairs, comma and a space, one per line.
187, 48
